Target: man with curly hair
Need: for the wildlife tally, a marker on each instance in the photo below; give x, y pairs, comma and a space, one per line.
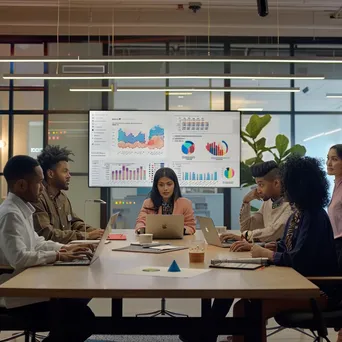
54, 218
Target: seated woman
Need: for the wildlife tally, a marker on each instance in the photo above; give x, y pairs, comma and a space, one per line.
308, 242
165, 198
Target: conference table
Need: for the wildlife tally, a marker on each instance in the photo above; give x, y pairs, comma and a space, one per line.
104, 279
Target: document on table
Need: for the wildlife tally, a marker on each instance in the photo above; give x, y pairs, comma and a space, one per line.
158, 271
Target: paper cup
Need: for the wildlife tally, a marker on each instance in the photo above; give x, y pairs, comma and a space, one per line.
145, 238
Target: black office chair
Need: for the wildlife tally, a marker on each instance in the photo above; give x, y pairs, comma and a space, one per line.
316, 321
9, 322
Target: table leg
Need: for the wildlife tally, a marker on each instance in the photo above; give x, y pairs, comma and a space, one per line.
205, 307
253, 314
117, 308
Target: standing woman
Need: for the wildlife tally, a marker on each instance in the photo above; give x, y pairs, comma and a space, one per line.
165, 198
334, 168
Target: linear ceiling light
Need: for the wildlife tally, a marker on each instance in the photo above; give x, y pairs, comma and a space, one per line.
49, 59
155, 77
334, 96
199, 89
175, 59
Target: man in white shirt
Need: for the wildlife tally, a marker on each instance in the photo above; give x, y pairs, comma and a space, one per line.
21, 247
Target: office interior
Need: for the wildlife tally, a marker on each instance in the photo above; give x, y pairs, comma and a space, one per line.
34, 113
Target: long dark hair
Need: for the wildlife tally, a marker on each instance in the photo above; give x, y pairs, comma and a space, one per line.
338, 149
155, 196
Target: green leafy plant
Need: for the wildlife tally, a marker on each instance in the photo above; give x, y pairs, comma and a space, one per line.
280, 150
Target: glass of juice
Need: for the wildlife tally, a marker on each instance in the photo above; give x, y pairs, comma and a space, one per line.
197, 251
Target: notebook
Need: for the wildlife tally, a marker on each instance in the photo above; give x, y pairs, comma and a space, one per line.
117, 237
240, 263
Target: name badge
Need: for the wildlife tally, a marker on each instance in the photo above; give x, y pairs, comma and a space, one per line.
69, 218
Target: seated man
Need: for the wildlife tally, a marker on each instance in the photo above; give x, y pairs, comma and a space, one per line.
268, 223
54, 218
21, 247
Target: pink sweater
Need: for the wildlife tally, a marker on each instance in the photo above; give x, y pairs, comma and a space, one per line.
182, 206
335, 209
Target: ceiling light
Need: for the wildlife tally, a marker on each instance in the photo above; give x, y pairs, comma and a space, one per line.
323, 134
155, 77
227, 89
178, 94
171, 59
334, 96
50, 59
250, 109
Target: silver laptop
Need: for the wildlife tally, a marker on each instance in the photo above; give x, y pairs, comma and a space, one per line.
165, 226
98, 251
210, 233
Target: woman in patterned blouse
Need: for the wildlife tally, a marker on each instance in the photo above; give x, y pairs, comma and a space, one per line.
165, 198
308, 231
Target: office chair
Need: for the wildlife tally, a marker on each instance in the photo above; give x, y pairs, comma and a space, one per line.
9, 323
161, 312
316, 321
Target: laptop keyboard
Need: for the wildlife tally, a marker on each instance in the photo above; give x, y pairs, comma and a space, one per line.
74, 262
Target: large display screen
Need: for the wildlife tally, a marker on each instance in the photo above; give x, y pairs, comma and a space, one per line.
127, 147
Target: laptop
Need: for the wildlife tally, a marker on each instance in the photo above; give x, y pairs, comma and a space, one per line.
165, 226
98, 251
210, 233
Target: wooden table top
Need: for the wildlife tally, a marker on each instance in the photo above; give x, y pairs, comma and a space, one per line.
102, 278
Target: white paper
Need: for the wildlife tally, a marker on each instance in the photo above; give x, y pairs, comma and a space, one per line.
163, 248
158, 271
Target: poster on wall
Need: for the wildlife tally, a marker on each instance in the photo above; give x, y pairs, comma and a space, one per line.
126, 148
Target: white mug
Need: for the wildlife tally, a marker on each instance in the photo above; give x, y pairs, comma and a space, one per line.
221, 229
145, 238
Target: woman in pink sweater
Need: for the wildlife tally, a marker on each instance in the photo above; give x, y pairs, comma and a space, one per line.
165, 198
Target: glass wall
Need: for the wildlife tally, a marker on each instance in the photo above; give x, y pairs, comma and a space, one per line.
68, 125
128, 201
34, 113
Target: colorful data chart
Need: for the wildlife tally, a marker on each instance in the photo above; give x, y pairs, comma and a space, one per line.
217, 149
188, 147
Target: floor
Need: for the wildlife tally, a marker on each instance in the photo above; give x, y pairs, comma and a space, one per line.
101, 307
285, 336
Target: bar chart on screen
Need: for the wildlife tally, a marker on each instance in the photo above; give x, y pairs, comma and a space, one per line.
128, 147
132, 173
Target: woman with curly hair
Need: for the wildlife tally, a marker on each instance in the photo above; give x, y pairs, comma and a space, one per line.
308, 230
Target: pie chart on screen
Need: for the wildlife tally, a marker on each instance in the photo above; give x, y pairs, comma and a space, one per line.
229, 173
188, 147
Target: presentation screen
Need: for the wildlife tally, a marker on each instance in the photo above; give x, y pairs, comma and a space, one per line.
126, 148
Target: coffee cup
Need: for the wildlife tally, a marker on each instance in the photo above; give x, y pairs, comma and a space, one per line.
145, 238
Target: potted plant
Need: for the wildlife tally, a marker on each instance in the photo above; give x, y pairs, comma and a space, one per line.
280, 150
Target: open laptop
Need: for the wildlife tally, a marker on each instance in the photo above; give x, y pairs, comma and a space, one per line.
210, 233
165, 226
98, 251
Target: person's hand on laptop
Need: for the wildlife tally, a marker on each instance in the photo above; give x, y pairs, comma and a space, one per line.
78, 248
241, 246
229, 236
66, 256
95, 234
